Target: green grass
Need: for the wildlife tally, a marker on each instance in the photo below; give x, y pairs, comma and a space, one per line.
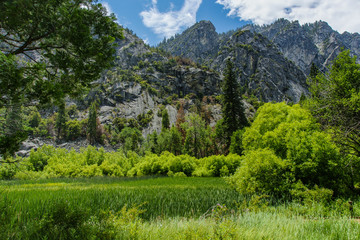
175, 208
164, 197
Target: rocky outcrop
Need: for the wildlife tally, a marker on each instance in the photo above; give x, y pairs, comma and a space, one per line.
305, 44
199, 43
264, 71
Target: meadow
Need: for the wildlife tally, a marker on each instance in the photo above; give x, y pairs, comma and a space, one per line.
162, 208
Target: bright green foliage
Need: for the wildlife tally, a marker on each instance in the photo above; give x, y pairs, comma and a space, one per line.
218, 165
335, 101
197, 141
232, 107
262, 172
49, 162
165, 122
288, 140
74, 129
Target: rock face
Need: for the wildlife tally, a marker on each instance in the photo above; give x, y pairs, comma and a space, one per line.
263, 69
271, 63
305, 44
142, 80
198, 43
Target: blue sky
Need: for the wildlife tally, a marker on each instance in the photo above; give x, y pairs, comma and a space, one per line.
128, 14
152, 20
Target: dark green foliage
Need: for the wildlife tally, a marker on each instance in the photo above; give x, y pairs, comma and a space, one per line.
131, 138
63, 222
197, 141
335, 101
145, 119
165, 122
236, 142
11, 130
73, 45
169, 140
34, 119
60, 123
119, 123
232, 107
314, 71
92, 123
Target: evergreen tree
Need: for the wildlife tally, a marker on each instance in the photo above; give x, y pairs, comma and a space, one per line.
92, 123
11, 130
165, 123
314, 71
233, 110
60, 123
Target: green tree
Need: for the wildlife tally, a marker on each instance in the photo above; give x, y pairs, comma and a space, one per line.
34, 119
301, 148
165, 122
232, 107
170, 140
197, 141
60, 123
92, 123
51, 49
236, 142
335, 101
131, 138
12, 130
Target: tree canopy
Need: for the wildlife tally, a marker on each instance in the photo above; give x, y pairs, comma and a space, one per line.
335, 101
285, 145
50, 49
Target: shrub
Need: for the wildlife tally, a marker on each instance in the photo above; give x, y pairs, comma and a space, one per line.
262, 172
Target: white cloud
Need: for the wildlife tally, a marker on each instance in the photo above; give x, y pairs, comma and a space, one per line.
109, 10
168, 23
342, 15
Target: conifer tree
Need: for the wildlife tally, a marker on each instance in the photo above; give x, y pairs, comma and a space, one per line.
92, 123
232, 110
165, 119
60, 123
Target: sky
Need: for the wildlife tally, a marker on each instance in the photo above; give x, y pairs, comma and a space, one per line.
154, 20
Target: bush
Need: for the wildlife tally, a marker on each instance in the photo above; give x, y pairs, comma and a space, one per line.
262, 172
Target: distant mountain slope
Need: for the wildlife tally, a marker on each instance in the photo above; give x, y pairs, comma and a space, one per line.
264, 71
308, 43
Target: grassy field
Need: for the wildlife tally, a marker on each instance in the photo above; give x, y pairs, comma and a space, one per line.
157, 208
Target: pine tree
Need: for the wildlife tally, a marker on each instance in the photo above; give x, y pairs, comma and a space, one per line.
165, 119
233, 110
60, 123
92, 123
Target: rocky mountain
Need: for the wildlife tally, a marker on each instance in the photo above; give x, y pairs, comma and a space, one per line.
144, 79
305, 44
271, 63
264, 71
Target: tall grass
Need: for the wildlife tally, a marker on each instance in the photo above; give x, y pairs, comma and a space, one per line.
165, 208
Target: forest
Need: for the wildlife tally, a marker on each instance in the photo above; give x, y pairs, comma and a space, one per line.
288, 170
